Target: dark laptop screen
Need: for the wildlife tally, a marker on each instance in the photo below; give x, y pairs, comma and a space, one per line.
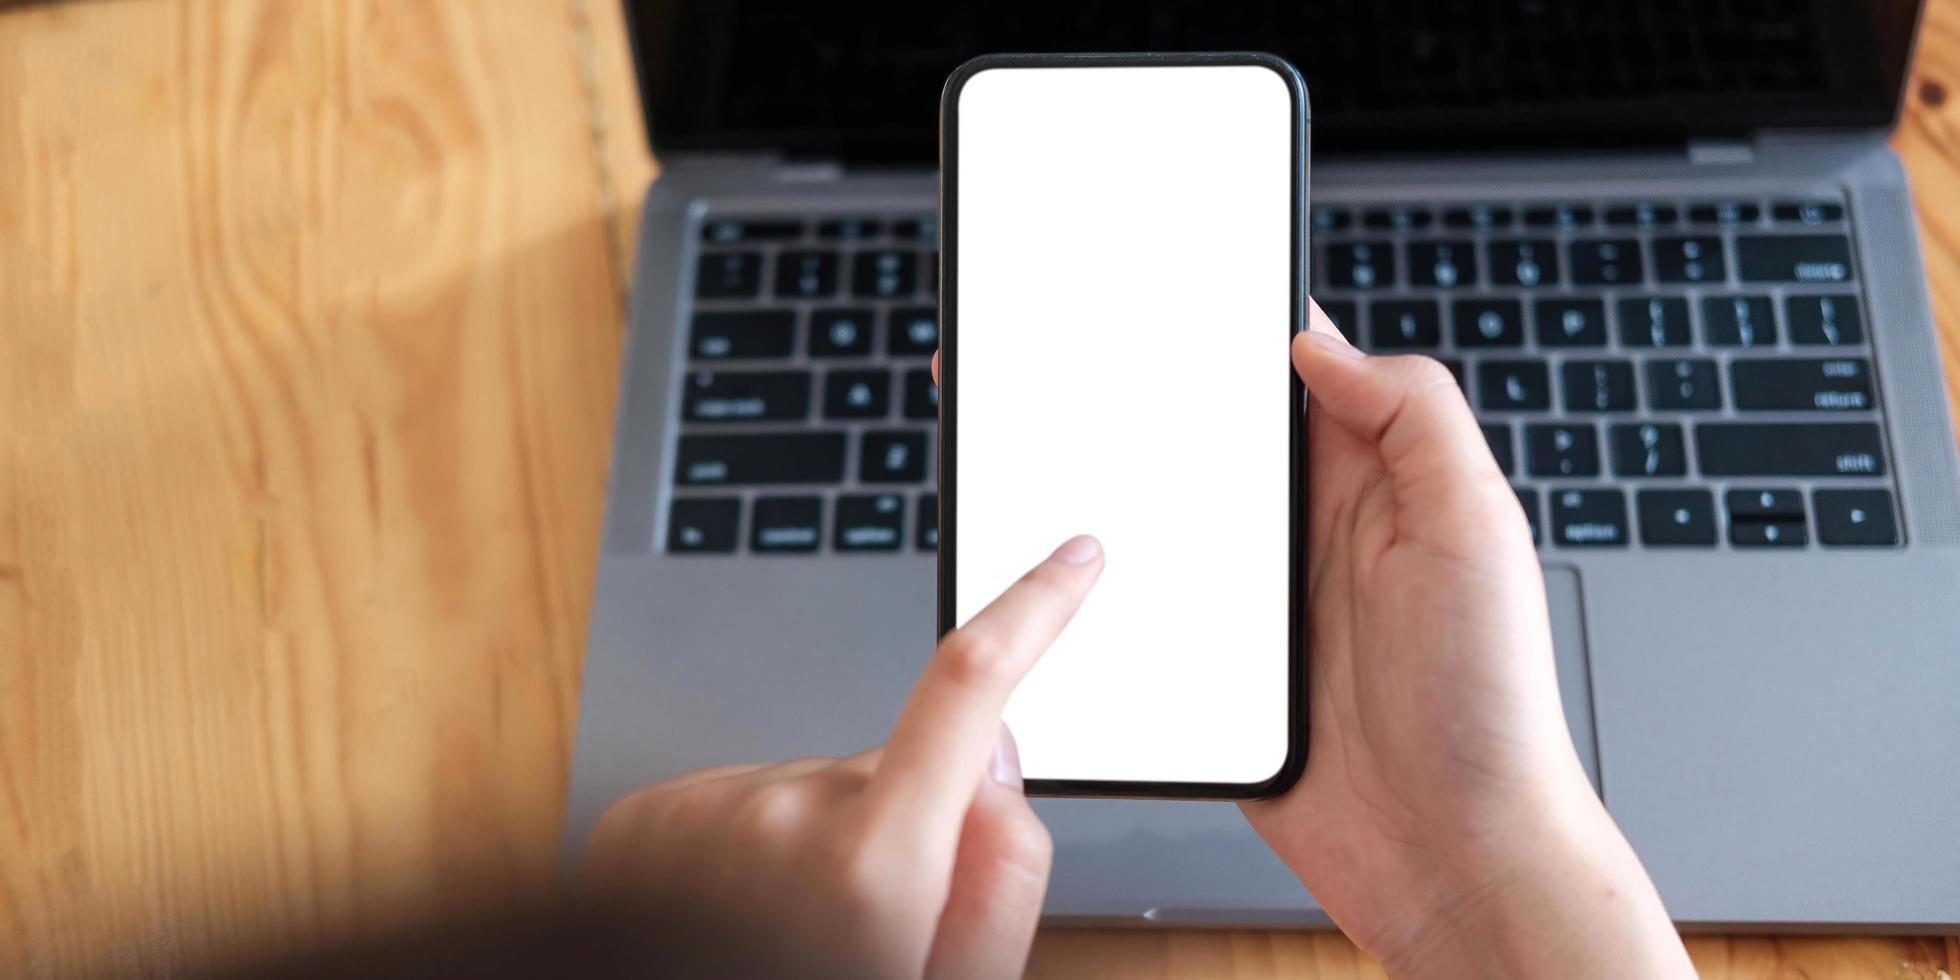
861, 80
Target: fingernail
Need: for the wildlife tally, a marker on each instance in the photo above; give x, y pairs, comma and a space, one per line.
1333, 345
1006, 767
1079, 550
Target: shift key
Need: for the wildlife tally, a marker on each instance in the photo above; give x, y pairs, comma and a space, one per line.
791, 457
1800, 449
1794, 258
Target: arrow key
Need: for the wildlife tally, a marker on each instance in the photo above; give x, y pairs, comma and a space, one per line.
1856, 517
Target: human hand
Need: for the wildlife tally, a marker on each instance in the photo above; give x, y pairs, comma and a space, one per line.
1443, 820
920, 857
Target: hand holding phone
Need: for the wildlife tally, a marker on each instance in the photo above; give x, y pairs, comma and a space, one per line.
1445, 822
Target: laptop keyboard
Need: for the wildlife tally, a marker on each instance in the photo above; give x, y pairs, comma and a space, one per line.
808, 406
1658, 373
1649, 374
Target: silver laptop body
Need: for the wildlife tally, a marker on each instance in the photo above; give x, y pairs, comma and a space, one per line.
1761, 686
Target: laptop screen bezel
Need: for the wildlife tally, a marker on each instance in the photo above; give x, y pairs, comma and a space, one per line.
656, 27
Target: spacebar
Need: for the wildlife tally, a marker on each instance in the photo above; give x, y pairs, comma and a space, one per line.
1769, 449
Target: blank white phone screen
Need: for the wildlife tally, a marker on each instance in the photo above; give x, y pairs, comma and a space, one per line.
1123, 290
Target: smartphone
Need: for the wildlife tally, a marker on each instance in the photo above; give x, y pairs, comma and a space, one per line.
1123, 267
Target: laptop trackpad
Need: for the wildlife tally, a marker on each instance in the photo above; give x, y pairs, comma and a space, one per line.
1567, 607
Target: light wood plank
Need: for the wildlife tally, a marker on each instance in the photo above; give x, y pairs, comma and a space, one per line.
310, 326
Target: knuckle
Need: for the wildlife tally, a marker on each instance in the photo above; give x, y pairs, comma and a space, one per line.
1426, 374
971, 659
622, 817
770, 810
1026, 847
1044, 582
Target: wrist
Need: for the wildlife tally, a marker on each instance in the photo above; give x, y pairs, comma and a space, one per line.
1563, 895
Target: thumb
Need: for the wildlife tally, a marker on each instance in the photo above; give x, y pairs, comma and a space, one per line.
1408, 408
999, 879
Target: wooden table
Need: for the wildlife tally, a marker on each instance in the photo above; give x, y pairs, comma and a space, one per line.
309, 318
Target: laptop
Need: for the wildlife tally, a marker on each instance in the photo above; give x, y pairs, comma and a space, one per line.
1664, 247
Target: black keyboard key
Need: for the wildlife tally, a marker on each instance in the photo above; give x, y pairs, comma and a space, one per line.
1729, 213
1589, 518
1695, 258
921, 395
787, 457
884, 273
1361, 265
913, 331
1766, 518
806, 275
1561, 450
1649, 449
732, 231
745, 396
928, 523
924, 229
1498, 434
1443, 264
1807, 212
1793, 258
932, 272
1327, 218
1526, 262
1643, 215
1401, 217
1763, 504
840, 333
1489, 322
1673, 518
785, 524
1346, 318
1605, 261
1683, 385
1598, 386
744, 333
1655, 321
702, 525
1840, 384
1528, 499
1558, 216
1404, 324
1768, 534
1570, 322
1856, 517
1514, 386
893, 456
849, 229
1790, 449
1738, 321
1483, 216
1824, 319
857, 394
869, 522
728, 275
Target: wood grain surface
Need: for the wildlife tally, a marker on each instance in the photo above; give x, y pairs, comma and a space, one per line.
310, 313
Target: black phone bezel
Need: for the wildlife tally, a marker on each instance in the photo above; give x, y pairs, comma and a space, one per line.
948, 224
